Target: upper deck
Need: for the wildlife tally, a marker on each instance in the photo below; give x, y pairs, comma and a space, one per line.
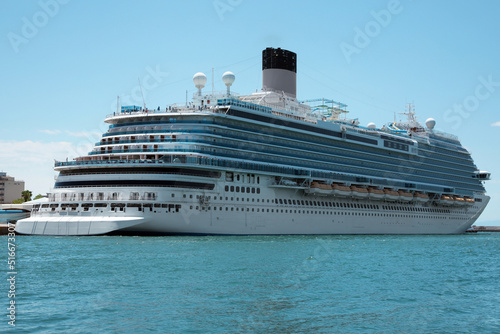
274, 133
322, 113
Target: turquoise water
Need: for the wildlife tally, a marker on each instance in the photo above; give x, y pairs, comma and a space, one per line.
263, 284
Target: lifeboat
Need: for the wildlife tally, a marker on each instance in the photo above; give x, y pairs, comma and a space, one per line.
341, 191
391, 195
419, 197
405, 196
446, 200
319, 189
358, 192
376, 194
469, 201
460, 201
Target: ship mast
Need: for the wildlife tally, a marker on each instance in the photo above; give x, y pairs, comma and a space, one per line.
410, 113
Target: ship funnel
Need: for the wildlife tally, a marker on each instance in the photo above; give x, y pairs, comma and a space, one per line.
279, 71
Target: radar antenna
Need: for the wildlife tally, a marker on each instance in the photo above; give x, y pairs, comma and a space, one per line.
140, 86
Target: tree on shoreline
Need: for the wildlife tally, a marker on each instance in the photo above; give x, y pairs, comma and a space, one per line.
26, 195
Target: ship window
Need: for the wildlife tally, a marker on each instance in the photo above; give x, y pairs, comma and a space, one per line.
281, 201
237, 188
232, 188
253, 190
226, 188
258, 190
248, 190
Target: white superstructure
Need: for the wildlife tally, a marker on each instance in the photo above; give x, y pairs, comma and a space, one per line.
264, 163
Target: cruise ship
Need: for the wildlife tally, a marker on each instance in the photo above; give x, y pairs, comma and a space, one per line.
265, 163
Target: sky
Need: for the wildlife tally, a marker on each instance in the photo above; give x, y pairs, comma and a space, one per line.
64, 62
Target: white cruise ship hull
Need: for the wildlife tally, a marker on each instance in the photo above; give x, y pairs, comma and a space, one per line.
75, 225
229, 213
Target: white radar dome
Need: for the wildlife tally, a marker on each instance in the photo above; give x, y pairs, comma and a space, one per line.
430, 123
371, 126
199, 80
228, 78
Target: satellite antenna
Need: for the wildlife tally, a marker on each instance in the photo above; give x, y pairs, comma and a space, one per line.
430, 123
199, 80
228, 79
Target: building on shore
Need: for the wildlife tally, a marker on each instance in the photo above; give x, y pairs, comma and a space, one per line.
10, 189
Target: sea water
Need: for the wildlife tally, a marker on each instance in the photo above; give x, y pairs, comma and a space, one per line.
255, 284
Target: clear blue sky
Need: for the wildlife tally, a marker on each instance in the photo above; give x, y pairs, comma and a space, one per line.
63, 63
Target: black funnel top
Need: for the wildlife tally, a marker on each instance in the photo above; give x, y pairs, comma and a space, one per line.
279, 58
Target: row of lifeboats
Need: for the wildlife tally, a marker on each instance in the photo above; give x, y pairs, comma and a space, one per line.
449, 200
321, 189
390, 195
